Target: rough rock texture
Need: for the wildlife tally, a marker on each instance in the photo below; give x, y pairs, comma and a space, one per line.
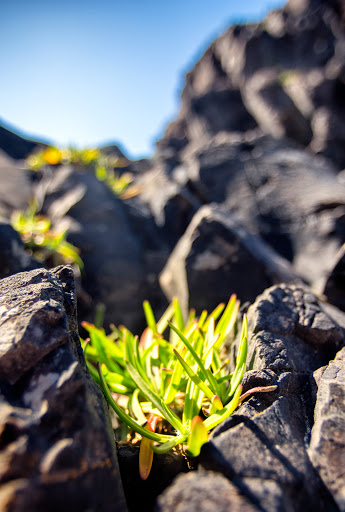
258, 460
291, 199
142, 494
258, 75
327, 445
56, 447
211, 259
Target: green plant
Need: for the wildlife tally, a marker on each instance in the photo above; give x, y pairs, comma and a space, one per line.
102, 165
43, 242
166, 385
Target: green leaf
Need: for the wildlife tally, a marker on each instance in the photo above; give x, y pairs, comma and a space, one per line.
206, 390
162, 323
164, 448
216, 418
126, 418
135, 408
240, 365
189, 346
150, 317
197, 437
150, 395
178, 314
175, 382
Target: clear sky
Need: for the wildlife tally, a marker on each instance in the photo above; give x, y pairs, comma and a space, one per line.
88, 72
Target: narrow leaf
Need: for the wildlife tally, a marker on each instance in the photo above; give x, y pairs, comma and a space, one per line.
150, 318
214, 420
126, 418
145, 452
167, 413
189, 346
208, 392
198, 436
164, 448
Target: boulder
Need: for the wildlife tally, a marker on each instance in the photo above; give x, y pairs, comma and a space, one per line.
292, 199
16, 188
13, 257
16, 146
291, 335
217, 256
334, 288
57, 449
327, 444
114, 271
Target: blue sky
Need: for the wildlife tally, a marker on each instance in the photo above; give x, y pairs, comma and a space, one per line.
88, 72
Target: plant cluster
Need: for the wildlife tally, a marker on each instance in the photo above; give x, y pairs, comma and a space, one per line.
42, 241
103, 165
172, 386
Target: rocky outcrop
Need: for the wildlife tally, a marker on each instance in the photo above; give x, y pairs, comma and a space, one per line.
56, 447
327, 445
114, 272
245, 191
213, 256
15, 146
259, 75
13, 257
258, 460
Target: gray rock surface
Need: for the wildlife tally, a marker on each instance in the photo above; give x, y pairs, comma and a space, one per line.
114, 265
56, 445
291, 199
258, 459
334, 288
212, 257
13, 257
327, 445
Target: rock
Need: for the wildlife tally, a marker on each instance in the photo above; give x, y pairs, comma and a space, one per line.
274, 110
13, 257
56, 444
334, 288
207, 492
211, 259
171, 203
292, 199
141, 494
291, 330
290, 336
327, 444
15, 186
15, 146
114, 265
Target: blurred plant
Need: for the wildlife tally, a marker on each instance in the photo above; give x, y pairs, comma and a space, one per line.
102, 164
171, 392
43, 242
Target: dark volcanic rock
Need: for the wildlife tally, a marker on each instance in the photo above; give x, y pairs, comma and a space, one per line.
15, 186
335, 285
15, 146
212, 258
285, 74
141, 494
258, 459
292, 199
292, 331
13, 257
114, 265
327, 445
56, 445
